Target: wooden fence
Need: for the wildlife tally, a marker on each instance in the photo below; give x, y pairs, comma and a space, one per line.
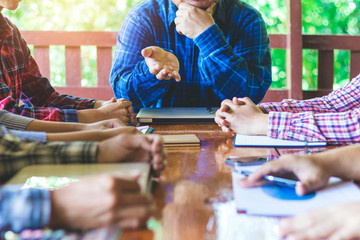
293, 42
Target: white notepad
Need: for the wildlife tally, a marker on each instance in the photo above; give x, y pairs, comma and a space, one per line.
258, 201
265, 141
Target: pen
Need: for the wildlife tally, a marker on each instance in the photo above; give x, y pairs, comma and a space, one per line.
277, 180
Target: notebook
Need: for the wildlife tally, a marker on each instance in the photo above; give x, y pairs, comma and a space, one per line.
275, 200
176, 115
265, 141
181, 140
57, 175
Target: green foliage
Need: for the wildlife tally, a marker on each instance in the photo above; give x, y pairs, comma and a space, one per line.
319, 17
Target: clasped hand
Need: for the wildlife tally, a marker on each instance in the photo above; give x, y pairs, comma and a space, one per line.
191, 21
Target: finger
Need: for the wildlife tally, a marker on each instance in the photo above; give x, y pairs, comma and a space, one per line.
225, 105
176, 76
113, 99
185, 6
237, 101
266, 169
246, 100
179, 28
147, 52
161, 75
155, 70
134, 218
225, 129
169, 76
245, 183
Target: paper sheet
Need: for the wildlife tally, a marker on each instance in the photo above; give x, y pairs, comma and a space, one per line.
274, 200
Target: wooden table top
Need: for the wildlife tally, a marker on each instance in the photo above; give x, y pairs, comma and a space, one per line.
194, 193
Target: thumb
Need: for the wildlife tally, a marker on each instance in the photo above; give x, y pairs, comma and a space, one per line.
147, 52
113, 99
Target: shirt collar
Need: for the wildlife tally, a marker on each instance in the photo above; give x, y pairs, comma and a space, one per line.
5, 28
219, 14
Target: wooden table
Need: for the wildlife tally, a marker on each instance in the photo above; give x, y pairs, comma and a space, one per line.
195, 195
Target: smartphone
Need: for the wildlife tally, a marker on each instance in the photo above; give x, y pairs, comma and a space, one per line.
245, 161
277, 180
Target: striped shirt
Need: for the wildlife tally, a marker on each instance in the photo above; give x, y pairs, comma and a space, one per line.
333, 118
20, 80
230, 58
14, 123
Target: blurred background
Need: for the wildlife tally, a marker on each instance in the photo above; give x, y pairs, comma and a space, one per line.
319, 17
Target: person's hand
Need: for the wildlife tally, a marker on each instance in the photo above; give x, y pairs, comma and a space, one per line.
241, 116
106, 124
133, 148
100, 103
337, 222
120, 109
99, 201
164, 65
312, 172
191, 21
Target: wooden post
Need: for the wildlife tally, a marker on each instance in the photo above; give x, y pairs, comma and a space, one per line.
294, 49
354, 64
41, 55
326, 70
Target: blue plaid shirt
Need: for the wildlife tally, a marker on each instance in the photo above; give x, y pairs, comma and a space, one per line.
23, 208
230, 58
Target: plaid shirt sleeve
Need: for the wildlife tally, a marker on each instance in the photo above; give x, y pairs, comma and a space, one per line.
231, 72
16, 154
23, 208
333, 118
35, 91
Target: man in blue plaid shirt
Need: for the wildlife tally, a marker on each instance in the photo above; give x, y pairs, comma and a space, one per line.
191, 53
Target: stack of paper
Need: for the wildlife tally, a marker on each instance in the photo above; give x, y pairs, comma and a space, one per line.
181, 140
275, 200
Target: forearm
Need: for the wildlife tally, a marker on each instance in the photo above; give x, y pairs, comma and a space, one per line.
342, 162
90, 136
16, 154
233, 73
334, 128
344, 99
54, 127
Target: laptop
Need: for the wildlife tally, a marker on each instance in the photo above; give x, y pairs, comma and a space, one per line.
176, 115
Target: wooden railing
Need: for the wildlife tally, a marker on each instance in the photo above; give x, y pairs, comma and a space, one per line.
104, 41
294, 42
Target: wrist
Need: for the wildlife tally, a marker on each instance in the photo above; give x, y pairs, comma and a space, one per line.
262, 124
88, 116
98, 104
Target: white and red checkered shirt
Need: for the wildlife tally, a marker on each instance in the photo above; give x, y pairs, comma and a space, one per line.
333, 118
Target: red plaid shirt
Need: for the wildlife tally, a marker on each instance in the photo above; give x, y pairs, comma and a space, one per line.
20, 80
334, 118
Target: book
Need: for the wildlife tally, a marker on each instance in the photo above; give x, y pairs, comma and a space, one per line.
181, 140
265, 141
